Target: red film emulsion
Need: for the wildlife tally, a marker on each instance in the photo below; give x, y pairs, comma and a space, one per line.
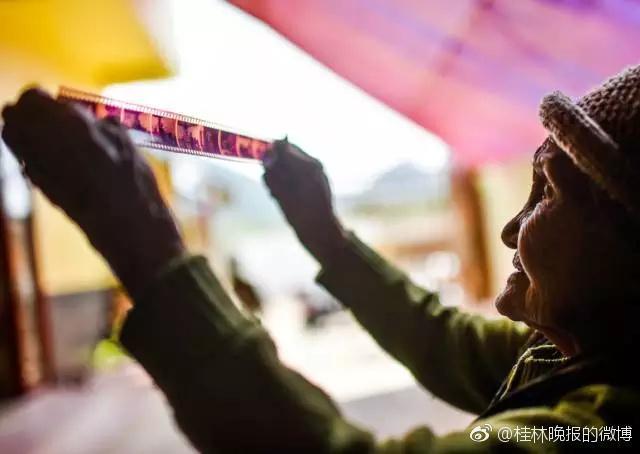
161, 130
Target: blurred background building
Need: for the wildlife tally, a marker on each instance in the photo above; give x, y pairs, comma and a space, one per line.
423, 114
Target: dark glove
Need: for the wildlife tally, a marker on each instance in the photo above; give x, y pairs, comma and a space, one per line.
93, 172
298, 183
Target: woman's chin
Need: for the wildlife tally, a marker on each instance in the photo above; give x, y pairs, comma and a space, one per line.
510, 302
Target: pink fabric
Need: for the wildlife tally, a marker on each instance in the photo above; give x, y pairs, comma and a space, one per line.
472, 71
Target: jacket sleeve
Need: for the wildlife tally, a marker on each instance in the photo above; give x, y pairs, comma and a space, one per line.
459, 357
571, 425
230, 393
221, 374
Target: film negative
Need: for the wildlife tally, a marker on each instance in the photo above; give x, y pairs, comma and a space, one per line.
161, 130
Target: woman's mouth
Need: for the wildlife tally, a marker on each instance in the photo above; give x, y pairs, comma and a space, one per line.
519, 275
511, 299
517, 264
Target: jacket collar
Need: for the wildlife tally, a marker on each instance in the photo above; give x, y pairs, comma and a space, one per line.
566, 375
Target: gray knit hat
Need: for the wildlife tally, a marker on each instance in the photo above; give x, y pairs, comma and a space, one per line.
601, 134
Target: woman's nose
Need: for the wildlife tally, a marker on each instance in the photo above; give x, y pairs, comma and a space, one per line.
510, 232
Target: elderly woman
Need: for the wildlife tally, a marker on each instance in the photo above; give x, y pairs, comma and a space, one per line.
562, 379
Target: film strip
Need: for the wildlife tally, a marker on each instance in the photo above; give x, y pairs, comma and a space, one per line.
161, 130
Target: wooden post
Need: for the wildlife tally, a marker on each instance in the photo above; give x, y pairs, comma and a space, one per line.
11, 348
476, 273
43, 309
25, 333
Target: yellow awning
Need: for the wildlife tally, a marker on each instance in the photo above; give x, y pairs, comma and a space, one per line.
82, 43
79, 42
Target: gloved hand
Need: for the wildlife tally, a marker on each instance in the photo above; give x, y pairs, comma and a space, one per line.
298, 183
93, 172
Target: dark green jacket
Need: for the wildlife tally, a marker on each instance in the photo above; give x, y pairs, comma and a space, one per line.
230, 393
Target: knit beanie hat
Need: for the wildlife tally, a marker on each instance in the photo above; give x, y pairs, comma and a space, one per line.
601, 134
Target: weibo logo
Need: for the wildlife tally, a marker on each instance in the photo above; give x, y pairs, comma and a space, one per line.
481, 433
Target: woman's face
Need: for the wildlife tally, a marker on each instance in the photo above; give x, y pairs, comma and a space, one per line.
561, 253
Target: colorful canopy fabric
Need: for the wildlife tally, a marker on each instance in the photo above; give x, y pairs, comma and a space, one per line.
472, 71
77, 42
80, 43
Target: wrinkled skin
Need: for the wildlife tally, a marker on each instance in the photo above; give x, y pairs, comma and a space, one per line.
571, 263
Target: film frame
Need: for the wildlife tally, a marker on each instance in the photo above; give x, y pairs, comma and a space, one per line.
169, 131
